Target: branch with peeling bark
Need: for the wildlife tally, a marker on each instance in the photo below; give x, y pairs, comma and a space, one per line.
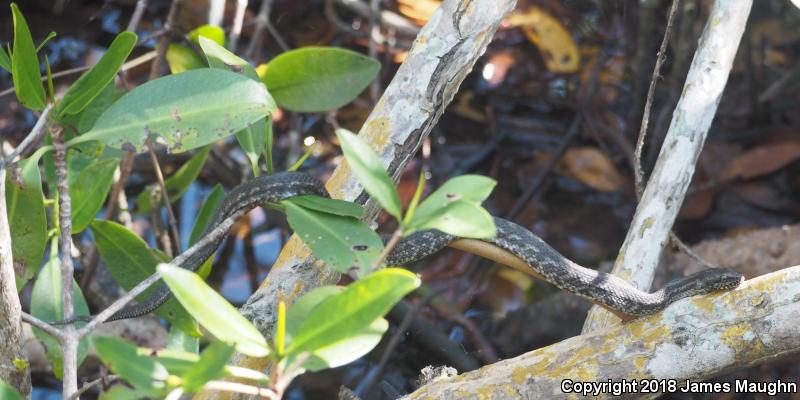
695, 338
667, 186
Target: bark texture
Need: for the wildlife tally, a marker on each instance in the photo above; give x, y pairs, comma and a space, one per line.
695, 338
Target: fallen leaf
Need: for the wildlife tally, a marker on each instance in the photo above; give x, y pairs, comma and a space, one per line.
554, 41
762, 160
593, 168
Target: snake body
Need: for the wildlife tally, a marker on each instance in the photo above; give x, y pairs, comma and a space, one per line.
543, 261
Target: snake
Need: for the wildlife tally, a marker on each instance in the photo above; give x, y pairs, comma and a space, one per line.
512, 245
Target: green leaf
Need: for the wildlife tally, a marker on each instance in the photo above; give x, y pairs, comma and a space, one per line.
84, 120
88, 190
300, 310
47, 305
26, 218
348, 349
49, 36
211, 365
330, 206
369, 171
122, 392
251, 140
219, 57
342, 352
187, 111
179, 362
206, 212
5, 60
130, 261
25, 70
212, 32
349, 314
316, 79
471, 188
343, 242
178, 183
119, 355
8, 393
180, 341
460, 218
455, 208
211, 204
92, 83
214, 312
182, 58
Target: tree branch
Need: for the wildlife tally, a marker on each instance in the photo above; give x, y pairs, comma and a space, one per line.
695, 338
666, 188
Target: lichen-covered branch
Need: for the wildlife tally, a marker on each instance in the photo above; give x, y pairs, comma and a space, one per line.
695, 339
442, 55
666, 188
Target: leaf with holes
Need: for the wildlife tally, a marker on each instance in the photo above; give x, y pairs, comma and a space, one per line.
342, 242
185, 111
471, 188
460, 218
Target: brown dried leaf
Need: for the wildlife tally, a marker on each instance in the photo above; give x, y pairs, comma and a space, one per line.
762, 160
593, 168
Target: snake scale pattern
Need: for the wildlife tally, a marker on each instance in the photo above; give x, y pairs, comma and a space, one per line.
604, 289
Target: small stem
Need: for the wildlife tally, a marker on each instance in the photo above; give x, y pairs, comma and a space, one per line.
173, 222
33, 137
36, 322
390, 245
215, 235
101, 380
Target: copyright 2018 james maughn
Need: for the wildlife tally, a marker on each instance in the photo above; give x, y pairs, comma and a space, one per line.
628, 386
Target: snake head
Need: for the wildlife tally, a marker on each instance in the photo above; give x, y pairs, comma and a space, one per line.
703, 282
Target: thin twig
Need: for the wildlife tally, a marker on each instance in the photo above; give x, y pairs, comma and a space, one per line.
36, 322
390, 245
161, 50
572, 132
638, 174
637, 164
33, 137
141, 5
173, 222
128, 65
236, 30
214, 235
363, 388
105, 380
